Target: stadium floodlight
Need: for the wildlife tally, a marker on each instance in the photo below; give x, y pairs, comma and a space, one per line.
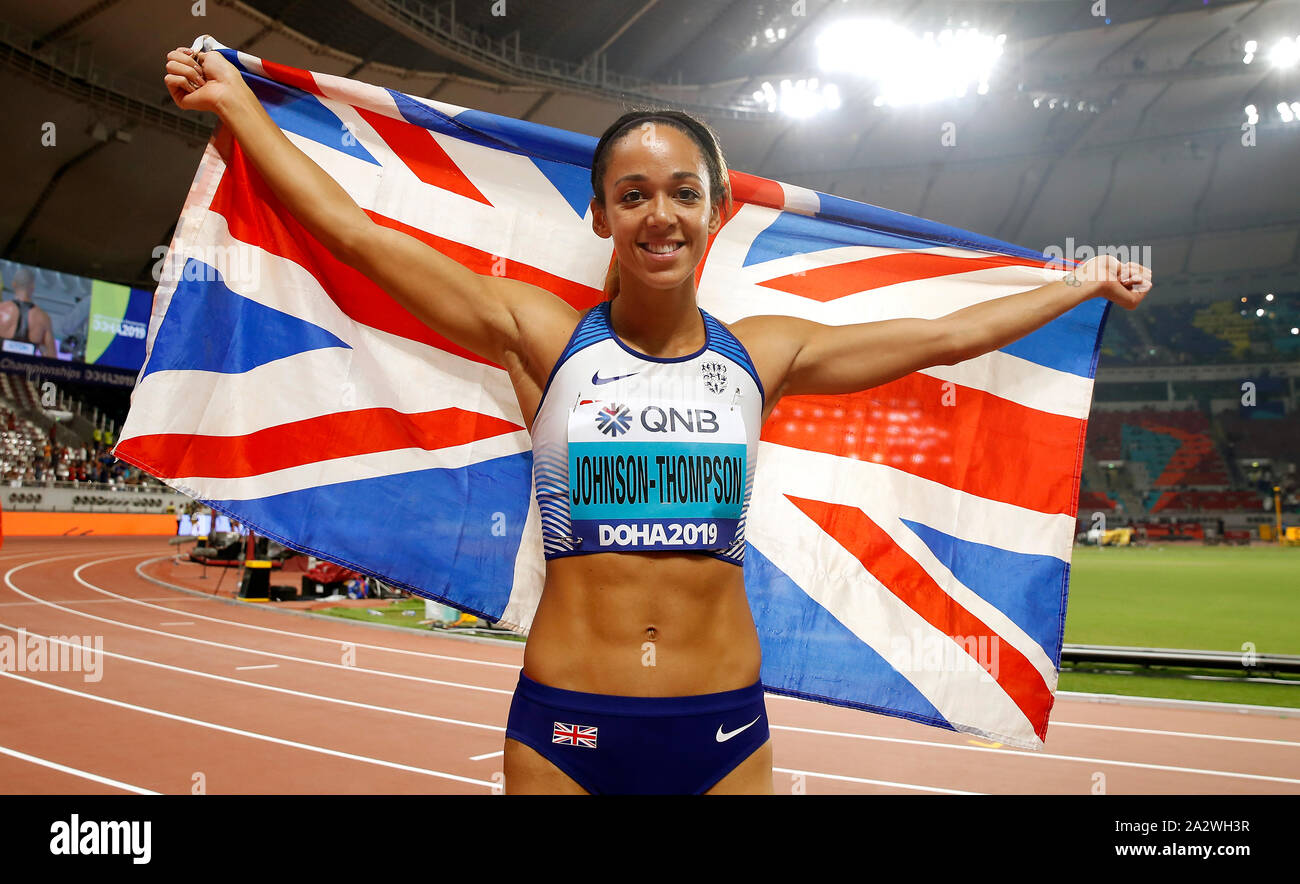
1285, 52
1268, 297
799, 99
1285, 111
1259, 312
1295, 331
910, 69
1250, 48
1252, 114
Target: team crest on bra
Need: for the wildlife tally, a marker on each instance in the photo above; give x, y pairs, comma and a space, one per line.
613, 419
715, 376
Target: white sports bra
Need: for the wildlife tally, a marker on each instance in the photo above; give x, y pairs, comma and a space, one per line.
633, 452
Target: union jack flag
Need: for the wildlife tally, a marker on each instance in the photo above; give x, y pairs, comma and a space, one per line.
574, 735
908, 546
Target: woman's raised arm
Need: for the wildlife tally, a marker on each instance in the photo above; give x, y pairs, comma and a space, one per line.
483, 314
810, 358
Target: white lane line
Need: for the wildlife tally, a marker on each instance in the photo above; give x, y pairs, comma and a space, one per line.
1029, 753
379, 672
85, 775
426, 654
89, 602
274, 688
919, 743
487, 755
177, 623
1190, 734
262, 666
848, 779
252, 735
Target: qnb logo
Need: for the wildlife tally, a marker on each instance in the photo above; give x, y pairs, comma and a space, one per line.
77, 837
691, 420
613, 419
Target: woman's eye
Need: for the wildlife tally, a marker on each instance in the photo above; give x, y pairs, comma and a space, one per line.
687, 193
631, 193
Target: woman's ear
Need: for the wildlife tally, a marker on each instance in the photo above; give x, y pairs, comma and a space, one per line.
599, 223
715, 218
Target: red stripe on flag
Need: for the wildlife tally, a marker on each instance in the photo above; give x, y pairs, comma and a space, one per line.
961, 437
256, 217
290, 76
330, 436
423, 155
913, 585
746, 188
849, 278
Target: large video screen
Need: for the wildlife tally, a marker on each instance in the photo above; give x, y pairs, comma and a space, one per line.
202, 524
46, 314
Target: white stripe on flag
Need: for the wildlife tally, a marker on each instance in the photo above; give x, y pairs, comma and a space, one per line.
530, 572
351, 469
800, 199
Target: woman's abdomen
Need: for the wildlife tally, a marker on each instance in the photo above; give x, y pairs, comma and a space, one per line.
643, 624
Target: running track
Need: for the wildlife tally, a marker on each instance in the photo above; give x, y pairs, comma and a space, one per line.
244, 699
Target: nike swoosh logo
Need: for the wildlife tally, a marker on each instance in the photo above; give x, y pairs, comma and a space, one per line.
723, 736
596, 379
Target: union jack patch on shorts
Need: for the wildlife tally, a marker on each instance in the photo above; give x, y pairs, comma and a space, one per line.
574, 735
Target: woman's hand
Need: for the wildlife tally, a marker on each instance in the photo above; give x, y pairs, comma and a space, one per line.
203, 81
1125, 284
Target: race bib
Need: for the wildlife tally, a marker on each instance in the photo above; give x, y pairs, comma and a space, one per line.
646, 476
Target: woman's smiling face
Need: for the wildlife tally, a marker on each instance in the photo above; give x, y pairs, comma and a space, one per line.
658, 208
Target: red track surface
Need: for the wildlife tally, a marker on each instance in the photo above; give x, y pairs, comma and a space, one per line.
341, 707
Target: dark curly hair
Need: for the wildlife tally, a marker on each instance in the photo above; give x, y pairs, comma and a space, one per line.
695, 129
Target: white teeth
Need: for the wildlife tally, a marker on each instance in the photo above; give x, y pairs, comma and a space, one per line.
662, 248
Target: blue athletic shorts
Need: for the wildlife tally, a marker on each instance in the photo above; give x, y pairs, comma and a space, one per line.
639, 745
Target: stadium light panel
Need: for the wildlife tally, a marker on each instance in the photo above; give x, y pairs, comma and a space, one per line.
907, 68
1285, 52
799, 99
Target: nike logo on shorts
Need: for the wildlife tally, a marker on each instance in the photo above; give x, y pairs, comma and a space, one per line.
596, 379
722, 736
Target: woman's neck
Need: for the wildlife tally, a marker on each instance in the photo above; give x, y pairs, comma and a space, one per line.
657, 322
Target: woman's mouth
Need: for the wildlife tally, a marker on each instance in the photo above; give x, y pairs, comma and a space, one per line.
661, 251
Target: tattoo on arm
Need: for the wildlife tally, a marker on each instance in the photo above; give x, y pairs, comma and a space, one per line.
1071, 279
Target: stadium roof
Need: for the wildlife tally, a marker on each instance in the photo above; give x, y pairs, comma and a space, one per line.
1136, 138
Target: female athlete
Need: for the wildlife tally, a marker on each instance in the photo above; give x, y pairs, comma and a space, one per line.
641, 671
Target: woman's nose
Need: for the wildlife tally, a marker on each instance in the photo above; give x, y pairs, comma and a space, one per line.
661, 209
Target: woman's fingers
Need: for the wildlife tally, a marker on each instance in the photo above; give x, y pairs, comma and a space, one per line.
178, 86
186, 73
180, 62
